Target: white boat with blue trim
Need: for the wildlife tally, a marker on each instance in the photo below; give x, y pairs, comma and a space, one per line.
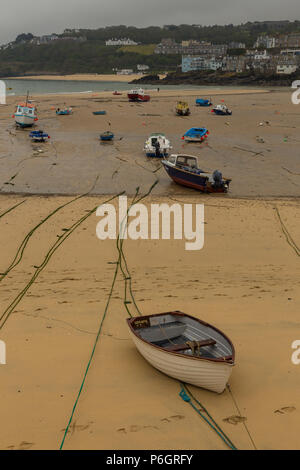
25, 114
157, 145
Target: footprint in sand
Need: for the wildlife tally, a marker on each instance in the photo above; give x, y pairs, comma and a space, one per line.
177, 417
78, 427
22, 446
235, 419
122, 431
136, 428
285, 409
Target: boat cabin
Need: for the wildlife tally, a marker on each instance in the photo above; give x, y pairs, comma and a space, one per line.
25, 108
160, 138
182, 161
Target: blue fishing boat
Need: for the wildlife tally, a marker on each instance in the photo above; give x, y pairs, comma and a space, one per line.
196, 134
39, 136
107, 136
203, 102
184, 170
99, 113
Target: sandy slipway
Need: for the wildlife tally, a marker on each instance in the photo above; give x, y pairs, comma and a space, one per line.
258, 146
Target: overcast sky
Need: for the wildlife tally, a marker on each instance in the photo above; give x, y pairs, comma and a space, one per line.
47, 16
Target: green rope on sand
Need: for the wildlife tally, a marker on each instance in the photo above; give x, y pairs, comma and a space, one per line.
38, 269
210, 421
118, 265
11, 208
19, 254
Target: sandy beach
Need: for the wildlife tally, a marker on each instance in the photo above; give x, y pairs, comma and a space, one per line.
257, 146
245, 280
93, 77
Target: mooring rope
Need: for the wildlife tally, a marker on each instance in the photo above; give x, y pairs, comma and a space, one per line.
11, 208
61, 238
20, 251
245, 425
286, 233
210, 421
126, 276
125, 271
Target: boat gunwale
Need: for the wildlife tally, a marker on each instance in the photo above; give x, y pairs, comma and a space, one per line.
230, 360
202, 175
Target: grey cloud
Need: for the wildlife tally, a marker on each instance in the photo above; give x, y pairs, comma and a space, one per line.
46, 16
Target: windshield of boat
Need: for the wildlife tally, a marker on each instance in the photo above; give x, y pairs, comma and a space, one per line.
187, 161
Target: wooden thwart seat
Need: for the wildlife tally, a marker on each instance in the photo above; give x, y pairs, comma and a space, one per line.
196, 344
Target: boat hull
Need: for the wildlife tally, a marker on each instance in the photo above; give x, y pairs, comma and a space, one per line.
138, 98
22, 120
63, 113
204, 103
193, 180
195, 136
201, 373
222, 113
153, 154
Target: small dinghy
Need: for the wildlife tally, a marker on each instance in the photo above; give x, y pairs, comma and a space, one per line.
107, 136
157, 145
221, 110
184, 348
99, 113
39, 136
196, 134
64, 112
117, 93
184, 170
203, 102
182, 108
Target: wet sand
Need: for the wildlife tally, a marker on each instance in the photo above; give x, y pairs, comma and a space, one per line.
245, 281
263, 161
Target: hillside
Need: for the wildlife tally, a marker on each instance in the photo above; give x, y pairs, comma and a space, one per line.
70, 57
84, 51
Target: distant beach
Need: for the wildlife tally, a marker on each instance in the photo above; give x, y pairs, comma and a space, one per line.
93, 77
71, 84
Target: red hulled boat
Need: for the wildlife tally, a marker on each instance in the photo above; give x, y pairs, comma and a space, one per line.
138, 95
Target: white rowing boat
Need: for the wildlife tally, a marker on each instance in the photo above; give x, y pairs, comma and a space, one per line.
184, 348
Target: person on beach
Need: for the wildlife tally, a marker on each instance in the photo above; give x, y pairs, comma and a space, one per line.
157, 149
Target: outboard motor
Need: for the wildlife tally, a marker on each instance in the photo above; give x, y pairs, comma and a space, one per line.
218, 179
